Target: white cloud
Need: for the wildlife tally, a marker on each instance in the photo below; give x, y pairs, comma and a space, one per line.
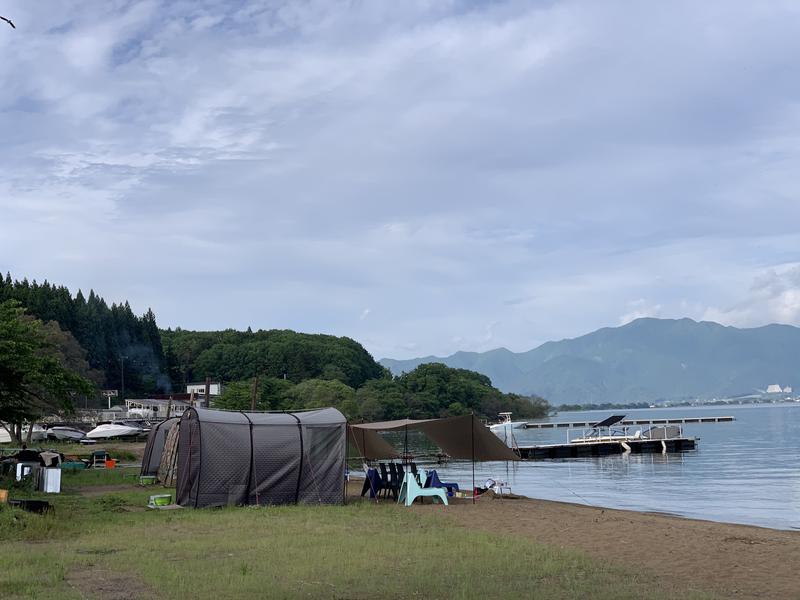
448, 164
774, 297
639, 309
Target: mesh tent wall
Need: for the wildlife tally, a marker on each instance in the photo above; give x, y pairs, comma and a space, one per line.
155, 446
237, 458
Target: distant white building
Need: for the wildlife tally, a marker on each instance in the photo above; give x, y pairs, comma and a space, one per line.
155, 408
787, 389
774, 389
215, 389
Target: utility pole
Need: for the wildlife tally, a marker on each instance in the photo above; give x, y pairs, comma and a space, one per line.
255, 393
122, 383
208, 392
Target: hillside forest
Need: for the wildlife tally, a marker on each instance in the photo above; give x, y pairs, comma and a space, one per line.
105, 345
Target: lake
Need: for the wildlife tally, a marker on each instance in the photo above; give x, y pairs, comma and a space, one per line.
746, 471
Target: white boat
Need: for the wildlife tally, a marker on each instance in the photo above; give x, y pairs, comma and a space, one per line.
67, 434
113, 430
38, 433
506, 423
612, 430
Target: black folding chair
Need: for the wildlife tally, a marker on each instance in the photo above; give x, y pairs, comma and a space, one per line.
387, 483
397, 479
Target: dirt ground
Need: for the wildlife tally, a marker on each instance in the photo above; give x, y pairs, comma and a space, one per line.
95, 582
732, 561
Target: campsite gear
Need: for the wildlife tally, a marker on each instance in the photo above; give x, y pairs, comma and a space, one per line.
26, 469
3, 496
372, 483
410, 490
50, 459
154, 449
387, 483
396, 473
434, 482
237, 458
50, 481
36, 506
160, 500
97, 459
168, 465
111, 463
459, 437
147, 480
73, 465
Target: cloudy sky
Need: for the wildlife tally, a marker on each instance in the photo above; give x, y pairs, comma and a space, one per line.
424, 177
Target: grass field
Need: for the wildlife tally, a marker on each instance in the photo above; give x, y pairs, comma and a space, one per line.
101, 542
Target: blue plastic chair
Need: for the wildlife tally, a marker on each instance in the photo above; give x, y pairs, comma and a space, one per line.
433, 481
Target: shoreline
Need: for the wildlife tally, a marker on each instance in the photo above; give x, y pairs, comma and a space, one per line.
726, 559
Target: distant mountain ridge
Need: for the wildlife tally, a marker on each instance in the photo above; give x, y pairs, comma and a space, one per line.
645, 360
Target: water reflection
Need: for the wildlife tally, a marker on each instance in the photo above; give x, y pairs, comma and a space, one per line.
744, 472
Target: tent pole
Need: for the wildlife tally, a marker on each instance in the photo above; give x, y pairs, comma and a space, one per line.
472, 443
405, 447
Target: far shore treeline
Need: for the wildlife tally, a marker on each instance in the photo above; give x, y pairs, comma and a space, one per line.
100, 344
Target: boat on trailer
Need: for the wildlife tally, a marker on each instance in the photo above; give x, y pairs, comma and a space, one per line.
115, 430
65, 434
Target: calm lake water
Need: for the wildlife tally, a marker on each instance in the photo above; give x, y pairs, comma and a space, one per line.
747, 471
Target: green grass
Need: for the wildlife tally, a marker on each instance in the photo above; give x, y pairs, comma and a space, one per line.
120, 450
355, 551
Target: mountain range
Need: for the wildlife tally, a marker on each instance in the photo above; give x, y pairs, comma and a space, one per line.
646, 360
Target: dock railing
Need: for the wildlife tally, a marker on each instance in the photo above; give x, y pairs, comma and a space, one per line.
623, 433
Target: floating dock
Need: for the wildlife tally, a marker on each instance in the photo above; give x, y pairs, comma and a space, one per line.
628, 422
665, 437
600, 448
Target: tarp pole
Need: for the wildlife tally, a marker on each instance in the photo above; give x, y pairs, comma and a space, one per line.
405, 447
472, 443
366, 474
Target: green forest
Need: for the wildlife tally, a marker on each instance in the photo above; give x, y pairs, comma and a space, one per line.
103, 345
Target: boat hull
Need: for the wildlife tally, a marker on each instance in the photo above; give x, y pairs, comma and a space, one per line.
65, 434
102, 432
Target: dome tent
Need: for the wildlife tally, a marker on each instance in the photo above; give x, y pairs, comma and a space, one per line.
237, 458
154, 447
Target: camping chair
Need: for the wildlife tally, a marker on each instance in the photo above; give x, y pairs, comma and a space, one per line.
372, 482
397, 478
387, 483
410, 490
97, 460
434, 482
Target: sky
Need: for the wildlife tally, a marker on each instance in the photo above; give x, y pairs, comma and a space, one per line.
421, 176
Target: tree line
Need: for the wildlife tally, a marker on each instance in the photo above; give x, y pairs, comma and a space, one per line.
429, 391
117, 343
97, 345
40, 369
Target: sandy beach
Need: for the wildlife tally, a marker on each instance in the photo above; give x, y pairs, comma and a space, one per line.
731, 561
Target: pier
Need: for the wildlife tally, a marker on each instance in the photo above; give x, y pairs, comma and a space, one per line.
606, 448
678, 421
613, 436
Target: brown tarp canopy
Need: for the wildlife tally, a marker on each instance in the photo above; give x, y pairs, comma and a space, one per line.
369, 444
460, 437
